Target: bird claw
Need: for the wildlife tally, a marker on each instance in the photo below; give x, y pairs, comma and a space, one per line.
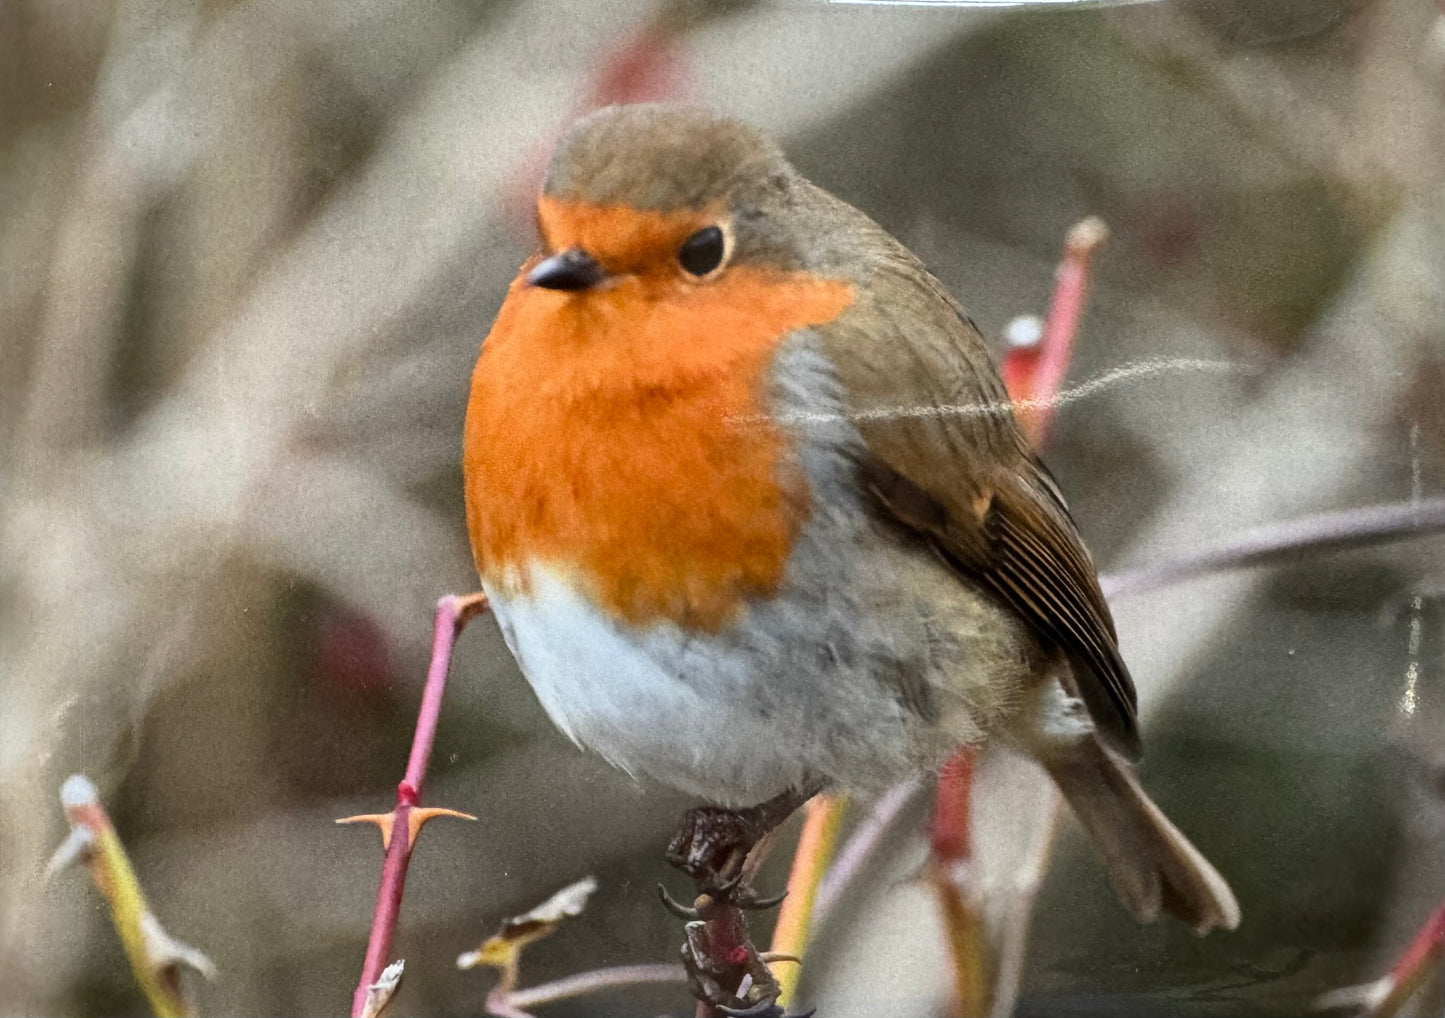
765, 1009
709, 904
762, 1009
750, 902
676, 907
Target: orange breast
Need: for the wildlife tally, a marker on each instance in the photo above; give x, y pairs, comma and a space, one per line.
618, 434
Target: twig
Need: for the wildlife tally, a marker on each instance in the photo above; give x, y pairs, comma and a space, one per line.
595, 981
724, 937
1283, 542
950, 853
815, 849
1387, 995
400, 827
1036, 362
155, 957
861, 844
1014, 935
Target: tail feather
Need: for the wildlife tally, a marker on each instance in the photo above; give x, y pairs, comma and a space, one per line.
1152, 866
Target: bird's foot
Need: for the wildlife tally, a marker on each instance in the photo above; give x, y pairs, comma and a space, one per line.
720, 849
712, 844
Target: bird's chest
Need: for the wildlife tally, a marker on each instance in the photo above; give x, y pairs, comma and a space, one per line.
659, 503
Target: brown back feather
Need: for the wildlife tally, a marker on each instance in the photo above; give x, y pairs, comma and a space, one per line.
946, 458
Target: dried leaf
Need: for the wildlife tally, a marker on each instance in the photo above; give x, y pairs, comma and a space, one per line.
501, 949
379, 993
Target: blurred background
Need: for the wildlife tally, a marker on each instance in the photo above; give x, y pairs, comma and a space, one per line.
248, 250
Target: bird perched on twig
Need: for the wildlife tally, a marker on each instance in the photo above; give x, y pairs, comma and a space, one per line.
756, 519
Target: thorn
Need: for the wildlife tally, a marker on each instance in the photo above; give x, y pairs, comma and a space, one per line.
419, 815
760, 904
164, 951
381, 820
75, 848
762, 1009
470, 606
773, 957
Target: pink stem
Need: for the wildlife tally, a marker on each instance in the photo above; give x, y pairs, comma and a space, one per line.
1071, 288
1405, 978
452, 615
1034, 374
444, 635
950, 834
1426, 945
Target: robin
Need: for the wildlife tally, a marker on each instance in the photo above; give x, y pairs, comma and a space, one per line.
756, 519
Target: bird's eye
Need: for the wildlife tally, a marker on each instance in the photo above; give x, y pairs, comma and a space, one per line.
703, 251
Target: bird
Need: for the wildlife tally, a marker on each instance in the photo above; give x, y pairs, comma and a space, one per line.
756, 519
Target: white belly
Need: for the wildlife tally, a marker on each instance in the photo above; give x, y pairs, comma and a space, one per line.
628, 698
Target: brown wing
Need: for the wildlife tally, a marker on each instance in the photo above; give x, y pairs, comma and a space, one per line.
945, 458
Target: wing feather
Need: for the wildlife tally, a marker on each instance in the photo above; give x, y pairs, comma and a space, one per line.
946, 459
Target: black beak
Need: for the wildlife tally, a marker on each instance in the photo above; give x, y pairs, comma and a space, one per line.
573, 269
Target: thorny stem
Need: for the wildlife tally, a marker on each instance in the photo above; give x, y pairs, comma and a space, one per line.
727, 940
951, 850
1424, 952
154, 956
400, 827
950, 833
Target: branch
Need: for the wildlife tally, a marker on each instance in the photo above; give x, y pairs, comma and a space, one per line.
861, 844
1387, 995
400, 827
1038, 356
155, 958
948, 870
592, 982
815, 849
1288, 542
